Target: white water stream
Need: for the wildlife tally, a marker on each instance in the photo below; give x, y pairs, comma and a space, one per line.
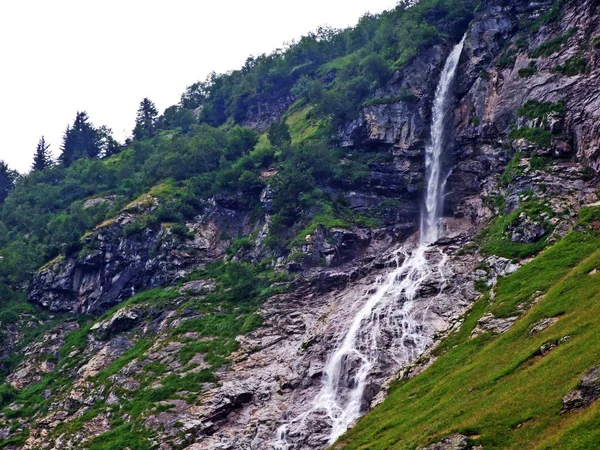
391, 307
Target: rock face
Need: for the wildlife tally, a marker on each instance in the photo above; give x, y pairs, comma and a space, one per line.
115, 264
402, 118
454, 442
489, 323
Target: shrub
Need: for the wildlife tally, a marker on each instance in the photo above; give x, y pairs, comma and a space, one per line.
572, 66
537, 136
552, 45
534, 109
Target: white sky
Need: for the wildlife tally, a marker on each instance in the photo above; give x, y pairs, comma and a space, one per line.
103, 56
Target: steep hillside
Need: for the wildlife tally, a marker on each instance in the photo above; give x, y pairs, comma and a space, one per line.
514, 375
247, 273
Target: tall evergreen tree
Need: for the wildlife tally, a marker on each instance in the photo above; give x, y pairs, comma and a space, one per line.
8, 177
81, 140
42, 158
145, 121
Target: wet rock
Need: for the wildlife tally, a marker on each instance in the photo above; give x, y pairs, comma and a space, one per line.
123, 320
108, 200
330, 247
198, 287
454, 442
586, 392
547, 348
490, 323
542, 325
527, 230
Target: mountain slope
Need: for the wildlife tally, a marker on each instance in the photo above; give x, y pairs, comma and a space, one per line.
188, 292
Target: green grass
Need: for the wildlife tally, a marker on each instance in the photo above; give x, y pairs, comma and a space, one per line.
499, 390
496, 238
302, 126
552, 15
513, 169
124, 436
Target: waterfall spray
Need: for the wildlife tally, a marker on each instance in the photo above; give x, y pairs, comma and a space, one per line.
346, 373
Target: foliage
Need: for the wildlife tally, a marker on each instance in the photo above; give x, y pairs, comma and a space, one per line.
573, 66
512, 170
496, 238
534, 109
334, 69
528, 71
124, 436
8, 179
537, 136
506, 60
83, 140
552, 45
42, 159
552, 15
145, 121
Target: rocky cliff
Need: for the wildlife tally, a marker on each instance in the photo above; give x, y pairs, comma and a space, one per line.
524, 145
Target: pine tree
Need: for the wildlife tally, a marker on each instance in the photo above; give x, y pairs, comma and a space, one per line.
81, 140
42, 158
145, 121
8, 178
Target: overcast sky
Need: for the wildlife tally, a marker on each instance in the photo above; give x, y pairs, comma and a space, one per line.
103, 56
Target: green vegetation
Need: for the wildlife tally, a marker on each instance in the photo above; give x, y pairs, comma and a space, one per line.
496, 238
331, 72
534, 109
498, 389
573, 66
553, 45
124, 436
336, 70
506, 60
528, 71
550, 16
538, 111
513, 170
537, 136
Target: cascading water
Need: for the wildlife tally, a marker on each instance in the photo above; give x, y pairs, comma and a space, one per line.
433, 153
391, 307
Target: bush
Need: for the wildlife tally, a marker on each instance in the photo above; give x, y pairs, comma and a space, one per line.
552, 45
534, 109
527, 72
572, 66
537, 136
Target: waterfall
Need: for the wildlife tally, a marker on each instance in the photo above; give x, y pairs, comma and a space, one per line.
433, 153
391, 307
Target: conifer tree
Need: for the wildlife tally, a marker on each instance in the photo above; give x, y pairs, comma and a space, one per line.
8, 178
145, 121
42, 158
81, 140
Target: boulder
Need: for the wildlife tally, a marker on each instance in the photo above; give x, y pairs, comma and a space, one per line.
586, 392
